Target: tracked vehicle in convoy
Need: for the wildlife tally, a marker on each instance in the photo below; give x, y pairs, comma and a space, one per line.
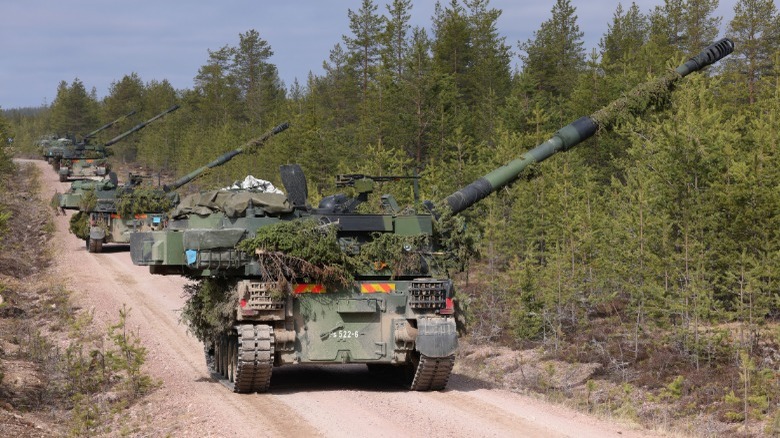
54, 148
283, 282
85, 160
110, 212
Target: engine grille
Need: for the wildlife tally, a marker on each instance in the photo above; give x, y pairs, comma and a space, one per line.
428, 294
263, 296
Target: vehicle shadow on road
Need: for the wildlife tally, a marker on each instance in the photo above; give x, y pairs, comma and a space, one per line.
355, 377
112, 248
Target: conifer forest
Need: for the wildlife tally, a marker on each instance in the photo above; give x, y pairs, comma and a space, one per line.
652, 248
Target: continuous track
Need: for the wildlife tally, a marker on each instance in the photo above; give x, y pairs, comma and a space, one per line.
432, 373
243, 361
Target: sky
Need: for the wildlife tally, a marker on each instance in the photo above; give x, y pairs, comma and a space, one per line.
44, 42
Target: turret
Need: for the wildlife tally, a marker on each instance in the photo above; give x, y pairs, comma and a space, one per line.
224, 158
634, 102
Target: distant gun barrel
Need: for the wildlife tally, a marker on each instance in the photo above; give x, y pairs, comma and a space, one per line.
636, 102
108, 125
140, 126
224, 158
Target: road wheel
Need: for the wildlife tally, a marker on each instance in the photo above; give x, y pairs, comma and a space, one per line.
221, 352
232, 358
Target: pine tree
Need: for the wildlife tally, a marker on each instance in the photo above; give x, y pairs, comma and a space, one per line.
74, 111
417, 91
701, 26
216, 95
395, 38
685, 25
489, 76
452, 45
123, 97
257, 80
756, 32
363, 46
620, 46
157, 148
687, 155
555, 56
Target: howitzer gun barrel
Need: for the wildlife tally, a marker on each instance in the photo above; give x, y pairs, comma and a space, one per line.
635, 102
140, 126
224, 158
108, 125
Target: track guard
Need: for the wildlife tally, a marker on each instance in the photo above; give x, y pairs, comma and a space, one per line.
436, 337
97, 233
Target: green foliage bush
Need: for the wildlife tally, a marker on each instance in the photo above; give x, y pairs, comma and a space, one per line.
95, 367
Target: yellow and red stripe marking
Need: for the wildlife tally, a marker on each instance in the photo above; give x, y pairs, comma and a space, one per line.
309, 288
377, 288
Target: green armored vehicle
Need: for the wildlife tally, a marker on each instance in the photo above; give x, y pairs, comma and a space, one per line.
109, 212
53, 148
86, 161
44, 143
106, 211
282, 282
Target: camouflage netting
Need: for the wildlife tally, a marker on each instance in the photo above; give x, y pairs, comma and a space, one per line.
142, 200
231, 202
92, 154
637, 100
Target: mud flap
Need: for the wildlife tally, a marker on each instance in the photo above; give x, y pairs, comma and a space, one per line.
97, 233
436, 337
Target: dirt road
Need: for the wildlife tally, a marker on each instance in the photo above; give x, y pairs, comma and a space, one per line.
328, 401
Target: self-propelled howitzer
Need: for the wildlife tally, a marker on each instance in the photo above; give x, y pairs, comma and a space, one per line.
282, 282
107, 187
85, 160
54, 150
115, 211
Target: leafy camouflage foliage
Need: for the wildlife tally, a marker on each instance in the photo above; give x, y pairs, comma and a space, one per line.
210, 309
79, 224
141, 200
